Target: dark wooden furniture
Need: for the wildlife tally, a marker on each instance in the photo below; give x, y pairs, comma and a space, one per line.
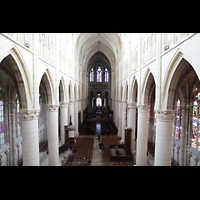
122, 152
82, 153
69, 142
128, 140
118, 153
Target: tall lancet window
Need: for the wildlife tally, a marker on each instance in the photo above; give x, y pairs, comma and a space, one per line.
92, 75
178, 119
99, 74
195, 140
18, 117
106, 75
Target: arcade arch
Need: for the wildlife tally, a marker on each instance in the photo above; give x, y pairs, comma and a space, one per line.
14, 100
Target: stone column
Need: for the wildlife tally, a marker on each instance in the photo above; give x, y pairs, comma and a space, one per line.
52, 133
63, 120
9, 125
142, 135
76, 118
123, 120
82, 108
116, 113
13, 133
71, 112
163, 145
29, 130
119, 118
183, 138
131, 124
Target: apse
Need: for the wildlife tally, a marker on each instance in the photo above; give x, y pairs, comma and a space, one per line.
98, 82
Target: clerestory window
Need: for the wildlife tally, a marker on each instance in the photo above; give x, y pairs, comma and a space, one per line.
92, 75
99, 74
106, 75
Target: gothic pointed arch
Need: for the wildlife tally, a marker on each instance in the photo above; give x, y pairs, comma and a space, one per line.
61, 91
71, 92
13, 64
46, 84
148, 87
173, 69
133, 91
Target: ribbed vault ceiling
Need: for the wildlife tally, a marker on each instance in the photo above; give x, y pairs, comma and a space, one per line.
88, 44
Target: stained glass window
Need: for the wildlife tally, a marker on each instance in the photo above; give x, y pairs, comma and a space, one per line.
2, 125
178, 118
92, 75
18, 118
99, 74
195, 140
106, 75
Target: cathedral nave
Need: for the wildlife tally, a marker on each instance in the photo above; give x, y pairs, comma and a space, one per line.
142, 89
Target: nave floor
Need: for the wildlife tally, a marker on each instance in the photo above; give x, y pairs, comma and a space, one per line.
97, 158
97, 154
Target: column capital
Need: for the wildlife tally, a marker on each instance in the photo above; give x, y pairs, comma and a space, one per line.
143, 108
64, 104
132, 105
71, 102
164, 115
29, 114
51, 107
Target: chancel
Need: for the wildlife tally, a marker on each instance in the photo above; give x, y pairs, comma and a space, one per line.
99, 99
